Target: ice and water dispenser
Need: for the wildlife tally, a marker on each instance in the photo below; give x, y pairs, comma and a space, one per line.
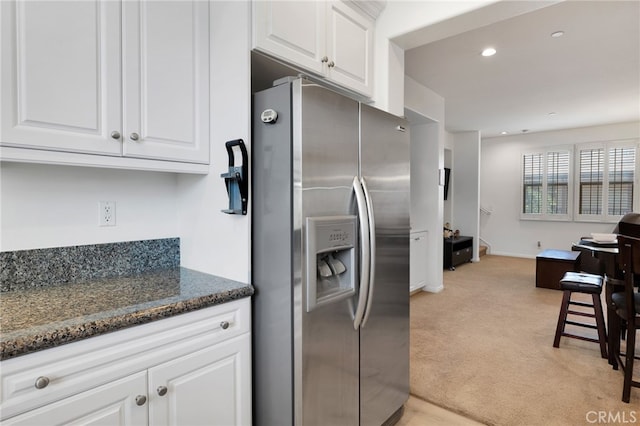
331, 259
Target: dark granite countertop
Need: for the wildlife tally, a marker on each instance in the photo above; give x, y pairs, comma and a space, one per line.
39, 318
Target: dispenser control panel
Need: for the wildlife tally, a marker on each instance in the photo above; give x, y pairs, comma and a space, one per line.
330, 256
336, 234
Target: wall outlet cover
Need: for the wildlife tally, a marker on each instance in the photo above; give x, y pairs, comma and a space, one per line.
107, 213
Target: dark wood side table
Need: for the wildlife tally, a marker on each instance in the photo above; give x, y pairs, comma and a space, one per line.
551, 265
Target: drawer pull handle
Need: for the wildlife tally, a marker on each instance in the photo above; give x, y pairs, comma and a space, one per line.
162, 390
224, 325
42, 382
140, 400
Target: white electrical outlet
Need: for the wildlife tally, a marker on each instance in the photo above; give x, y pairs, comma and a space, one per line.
107, 213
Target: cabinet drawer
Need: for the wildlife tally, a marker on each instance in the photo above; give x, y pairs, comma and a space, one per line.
112, 404
79, 366
462, 256
463, 252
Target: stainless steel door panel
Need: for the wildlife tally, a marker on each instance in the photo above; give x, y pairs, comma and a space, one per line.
272, 260
384, 341
326, 140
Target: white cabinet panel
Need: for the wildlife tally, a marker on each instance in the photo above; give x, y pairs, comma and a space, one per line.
113, 404
116, 78
291, 30
166, 77
61, 75
205, 387
328, 38
350, 47
418, 260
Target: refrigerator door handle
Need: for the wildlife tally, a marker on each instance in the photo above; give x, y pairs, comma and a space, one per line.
372, 250
364, 252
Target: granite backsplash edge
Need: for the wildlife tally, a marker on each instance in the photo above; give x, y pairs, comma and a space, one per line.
25, 269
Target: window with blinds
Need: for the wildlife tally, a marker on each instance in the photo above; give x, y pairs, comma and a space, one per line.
558, 182
532, 184
546, 190
591, 180
606, 181
622, 164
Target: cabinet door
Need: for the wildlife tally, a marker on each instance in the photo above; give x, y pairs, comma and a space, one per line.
60, 75
418, 260
208, 387
350, 48
111, 404
291, 30
166, 80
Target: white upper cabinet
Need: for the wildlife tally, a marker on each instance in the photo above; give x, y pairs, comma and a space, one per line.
294, 31
330, 39
350, 48
122, 79
61, 75
166, 79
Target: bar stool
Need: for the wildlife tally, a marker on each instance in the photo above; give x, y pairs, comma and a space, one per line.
581, 282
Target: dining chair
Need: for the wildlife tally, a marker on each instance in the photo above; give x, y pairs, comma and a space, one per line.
626, 305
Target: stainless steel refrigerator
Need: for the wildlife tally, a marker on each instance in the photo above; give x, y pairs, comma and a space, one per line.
330, 259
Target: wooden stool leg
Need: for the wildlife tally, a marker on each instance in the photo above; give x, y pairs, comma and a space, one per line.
602, 333
566, 296
613, 324
614, 339
628, 366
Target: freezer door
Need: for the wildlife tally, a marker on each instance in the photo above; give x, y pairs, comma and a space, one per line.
272, 260
326, 352
384, 338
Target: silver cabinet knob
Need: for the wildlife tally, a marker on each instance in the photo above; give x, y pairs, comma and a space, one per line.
162, 390
42, 382
134, 136
331, 64
141, 399
224, 325
115, 134
324, 59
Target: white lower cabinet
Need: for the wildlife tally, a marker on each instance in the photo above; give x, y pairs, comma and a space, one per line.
417, 260
202, 388
190, 369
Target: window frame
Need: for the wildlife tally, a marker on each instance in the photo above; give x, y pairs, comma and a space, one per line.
544, 215
604, 216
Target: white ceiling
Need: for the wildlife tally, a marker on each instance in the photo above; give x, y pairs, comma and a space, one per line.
589, 76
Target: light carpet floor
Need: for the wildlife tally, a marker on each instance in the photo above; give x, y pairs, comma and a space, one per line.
483, 347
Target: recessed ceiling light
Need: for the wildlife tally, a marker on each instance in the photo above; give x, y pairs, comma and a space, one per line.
557, 34
504, 133
552, 113
489, 51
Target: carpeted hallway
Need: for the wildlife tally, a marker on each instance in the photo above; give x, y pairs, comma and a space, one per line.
483, 348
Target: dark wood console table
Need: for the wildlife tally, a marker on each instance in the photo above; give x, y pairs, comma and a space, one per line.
456, 251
